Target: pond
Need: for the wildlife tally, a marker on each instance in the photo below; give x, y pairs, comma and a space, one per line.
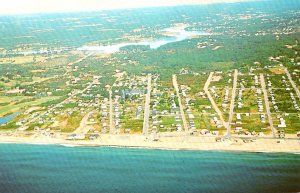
8, 118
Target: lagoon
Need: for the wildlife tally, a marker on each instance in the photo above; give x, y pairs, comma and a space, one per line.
176, 35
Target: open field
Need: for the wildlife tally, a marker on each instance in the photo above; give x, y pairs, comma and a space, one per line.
15, 107
23, 60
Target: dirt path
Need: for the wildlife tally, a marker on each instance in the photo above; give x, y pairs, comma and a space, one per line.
83, 128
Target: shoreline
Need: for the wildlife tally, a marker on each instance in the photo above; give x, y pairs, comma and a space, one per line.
261, 146
149, 148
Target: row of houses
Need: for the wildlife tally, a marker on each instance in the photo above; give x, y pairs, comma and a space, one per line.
104, 114
117, 114
213, 91
259, 100
256, 80
188, 104
240, 95
273, 100
294, 101
132, 82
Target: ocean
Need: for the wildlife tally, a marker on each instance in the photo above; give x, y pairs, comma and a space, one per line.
55, 168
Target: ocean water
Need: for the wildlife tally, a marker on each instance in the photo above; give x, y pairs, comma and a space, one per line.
54, 168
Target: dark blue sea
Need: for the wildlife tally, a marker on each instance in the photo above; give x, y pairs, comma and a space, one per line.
54, 168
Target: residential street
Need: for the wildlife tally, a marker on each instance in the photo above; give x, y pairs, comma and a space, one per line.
292, 83
232, 102
212, 100
185, 126
263, 86
147, 107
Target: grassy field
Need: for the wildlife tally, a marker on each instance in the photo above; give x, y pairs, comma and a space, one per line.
135, 125
9, 99
71, 122
35, 79
251, 123
12, 108
196, 83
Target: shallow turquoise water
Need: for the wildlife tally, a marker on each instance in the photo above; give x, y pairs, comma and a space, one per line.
53, 168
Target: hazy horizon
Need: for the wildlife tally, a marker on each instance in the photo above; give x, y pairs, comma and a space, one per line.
16, 7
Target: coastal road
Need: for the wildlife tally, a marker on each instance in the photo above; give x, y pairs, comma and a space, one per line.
212, 100
54, 107
111, 127
263, 86
175, 84
235, 76
147, 106
292, 82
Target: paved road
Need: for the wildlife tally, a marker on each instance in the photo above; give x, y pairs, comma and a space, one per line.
235, 76
212, 100
292, 83
263, 86
111, 127
147, 106
175, 84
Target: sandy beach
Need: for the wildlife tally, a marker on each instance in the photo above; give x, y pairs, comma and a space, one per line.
167, 142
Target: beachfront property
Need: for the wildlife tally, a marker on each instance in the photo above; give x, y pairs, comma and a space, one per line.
192, 87
97, 109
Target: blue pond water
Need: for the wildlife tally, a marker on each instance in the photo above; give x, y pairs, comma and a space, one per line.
8, 118
51, 168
